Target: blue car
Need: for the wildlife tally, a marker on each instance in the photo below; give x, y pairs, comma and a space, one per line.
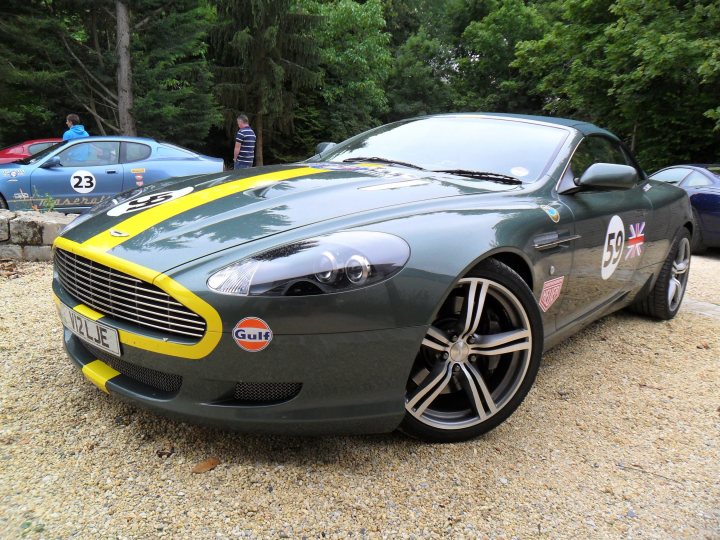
73, 176
702, 183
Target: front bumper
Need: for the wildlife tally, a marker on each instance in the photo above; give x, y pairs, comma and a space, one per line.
317, 384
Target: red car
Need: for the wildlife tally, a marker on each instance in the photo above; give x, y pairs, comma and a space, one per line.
25, 149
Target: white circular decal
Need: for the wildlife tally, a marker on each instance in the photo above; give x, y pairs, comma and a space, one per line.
83, 181
614, 242
148, 201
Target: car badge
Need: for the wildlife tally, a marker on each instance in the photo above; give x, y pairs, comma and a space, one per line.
119, 234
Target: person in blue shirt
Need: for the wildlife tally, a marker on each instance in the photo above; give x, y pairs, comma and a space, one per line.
244, 152
75, 128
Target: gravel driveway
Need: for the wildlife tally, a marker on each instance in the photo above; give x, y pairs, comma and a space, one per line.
620, 438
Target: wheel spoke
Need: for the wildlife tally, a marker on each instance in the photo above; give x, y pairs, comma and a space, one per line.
471, 383
436, 381
505, 342
680, 267
436, 339
474, 305
674, 290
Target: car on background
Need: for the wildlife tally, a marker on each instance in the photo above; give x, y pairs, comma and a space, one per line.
72, 176
25, 149
410, 277
702, 183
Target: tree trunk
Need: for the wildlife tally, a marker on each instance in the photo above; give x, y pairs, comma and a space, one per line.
124, 70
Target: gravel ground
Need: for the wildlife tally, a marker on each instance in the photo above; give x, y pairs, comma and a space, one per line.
618, 439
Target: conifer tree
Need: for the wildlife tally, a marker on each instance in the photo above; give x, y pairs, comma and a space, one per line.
264, 56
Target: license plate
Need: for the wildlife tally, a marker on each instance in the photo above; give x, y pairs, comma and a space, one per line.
96, 334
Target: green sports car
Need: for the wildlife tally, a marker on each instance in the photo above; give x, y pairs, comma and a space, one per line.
409, 277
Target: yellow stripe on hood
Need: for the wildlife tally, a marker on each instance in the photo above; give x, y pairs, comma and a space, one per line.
142, 221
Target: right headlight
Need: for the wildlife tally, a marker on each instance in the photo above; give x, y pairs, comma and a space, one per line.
322, 265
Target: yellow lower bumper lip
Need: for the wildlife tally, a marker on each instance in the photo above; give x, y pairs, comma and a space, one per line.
99, 373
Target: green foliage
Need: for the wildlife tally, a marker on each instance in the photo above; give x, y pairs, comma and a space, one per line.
174, 97
264, 55
486, 81
419, 79
641, 69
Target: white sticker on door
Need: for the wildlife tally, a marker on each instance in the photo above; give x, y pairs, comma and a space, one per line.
614, 242
83, 181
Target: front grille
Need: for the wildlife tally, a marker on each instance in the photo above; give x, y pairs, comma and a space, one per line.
124, 297
265, 393
165, 382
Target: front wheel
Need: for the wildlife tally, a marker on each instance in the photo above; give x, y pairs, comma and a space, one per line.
665, 298
478, 360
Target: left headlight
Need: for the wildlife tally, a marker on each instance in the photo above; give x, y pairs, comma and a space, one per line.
322, 265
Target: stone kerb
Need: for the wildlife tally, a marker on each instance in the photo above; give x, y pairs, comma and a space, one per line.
29, 236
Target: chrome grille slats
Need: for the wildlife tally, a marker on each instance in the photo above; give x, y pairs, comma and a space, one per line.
124, 297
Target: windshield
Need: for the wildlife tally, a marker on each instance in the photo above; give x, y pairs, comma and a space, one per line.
41, 154
469, 143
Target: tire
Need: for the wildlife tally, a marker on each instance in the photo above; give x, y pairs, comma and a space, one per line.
3, 203
664, 299
696, 244
478, 360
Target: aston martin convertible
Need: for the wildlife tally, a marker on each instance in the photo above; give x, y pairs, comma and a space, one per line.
408, 278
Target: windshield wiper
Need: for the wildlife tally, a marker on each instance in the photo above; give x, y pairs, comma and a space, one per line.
383, 160
484, 175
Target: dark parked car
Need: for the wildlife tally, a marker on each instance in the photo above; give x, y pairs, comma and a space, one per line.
410, 277
702, 183
25, 149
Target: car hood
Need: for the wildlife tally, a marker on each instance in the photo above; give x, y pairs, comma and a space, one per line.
221, 211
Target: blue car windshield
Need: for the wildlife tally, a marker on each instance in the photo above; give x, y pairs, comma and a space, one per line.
41, 154
503, 146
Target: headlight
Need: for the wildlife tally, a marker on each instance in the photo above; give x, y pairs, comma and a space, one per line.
326, 264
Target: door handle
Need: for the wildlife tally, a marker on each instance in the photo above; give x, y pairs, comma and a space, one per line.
111, 171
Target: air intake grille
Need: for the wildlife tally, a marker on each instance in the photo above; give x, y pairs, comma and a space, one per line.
265, 393
124, 297
165, 382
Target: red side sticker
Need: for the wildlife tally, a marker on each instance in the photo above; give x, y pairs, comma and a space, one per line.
252, 334
551, 292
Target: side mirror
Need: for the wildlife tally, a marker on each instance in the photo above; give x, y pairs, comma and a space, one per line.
320, 148
609, 175
52, 162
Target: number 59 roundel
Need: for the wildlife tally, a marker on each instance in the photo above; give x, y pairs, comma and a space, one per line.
614, 242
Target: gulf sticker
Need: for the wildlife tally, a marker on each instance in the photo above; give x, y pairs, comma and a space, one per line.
252, 334
550, 292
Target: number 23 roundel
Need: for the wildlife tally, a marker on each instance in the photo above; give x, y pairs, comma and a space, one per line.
614, 242
83, 181
148, 201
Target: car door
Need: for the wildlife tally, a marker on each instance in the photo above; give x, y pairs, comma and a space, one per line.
704, 194
138, 169
610, 225
87, 173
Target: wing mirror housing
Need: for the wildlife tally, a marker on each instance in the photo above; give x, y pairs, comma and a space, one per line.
609, 176
320, 148
52, 162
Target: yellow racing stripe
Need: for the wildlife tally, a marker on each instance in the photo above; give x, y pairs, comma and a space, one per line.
99, 373
142, 221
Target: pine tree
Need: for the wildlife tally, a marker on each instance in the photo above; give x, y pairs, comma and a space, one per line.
264, 55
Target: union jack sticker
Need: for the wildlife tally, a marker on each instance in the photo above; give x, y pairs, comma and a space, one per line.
550, 292
635, 240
